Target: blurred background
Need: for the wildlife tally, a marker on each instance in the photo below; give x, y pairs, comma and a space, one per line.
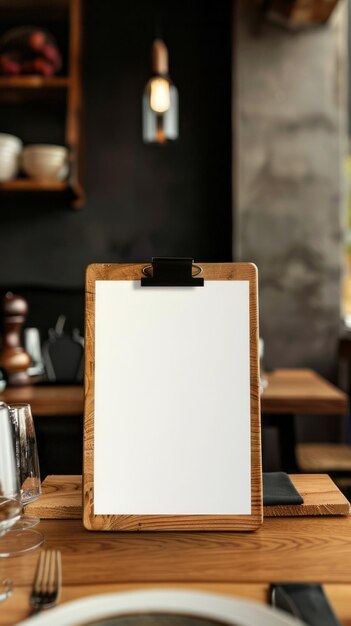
254, 168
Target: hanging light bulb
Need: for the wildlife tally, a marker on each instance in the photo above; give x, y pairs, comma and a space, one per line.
160, 97
160, 100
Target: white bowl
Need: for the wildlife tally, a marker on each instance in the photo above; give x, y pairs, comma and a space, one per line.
10, 142
45, 162
38, 159
46, 150
46, 171
6, 155
9, 166
7, 152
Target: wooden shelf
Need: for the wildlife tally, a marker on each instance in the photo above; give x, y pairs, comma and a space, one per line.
42, 4
30, 184
41, 10
34, 82
63, 91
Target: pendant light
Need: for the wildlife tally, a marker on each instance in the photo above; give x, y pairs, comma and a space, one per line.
160, 100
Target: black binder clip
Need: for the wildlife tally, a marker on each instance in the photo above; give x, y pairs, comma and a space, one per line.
172, 272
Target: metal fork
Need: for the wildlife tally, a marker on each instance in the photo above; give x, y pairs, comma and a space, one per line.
47, 581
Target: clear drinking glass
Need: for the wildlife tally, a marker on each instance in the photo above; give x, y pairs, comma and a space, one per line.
26, 452
27, 461
10, 507
12, 542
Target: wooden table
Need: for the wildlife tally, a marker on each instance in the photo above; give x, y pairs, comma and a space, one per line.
242, 564
48, 400
302, 391
289, 391
62, 498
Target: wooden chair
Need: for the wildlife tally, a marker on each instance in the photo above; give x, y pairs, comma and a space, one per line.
330, 458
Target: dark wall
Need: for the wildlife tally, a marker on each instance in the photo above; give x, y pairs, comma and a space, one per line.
141, 200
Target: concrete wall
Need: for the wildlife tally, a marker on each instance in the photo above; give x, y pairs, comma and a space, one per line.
290, 139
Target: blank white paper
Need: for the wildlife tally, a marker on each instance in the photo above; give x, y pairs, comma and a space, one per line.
172, 399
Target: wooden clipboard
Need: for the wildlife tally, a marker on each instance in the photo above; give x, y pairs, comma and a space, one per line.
117, 483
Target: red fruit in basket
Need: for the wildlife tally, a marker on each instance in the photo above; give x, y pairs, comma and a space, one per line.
36, 40
28, 67
13, 68
9, 66
51, 53
48, 69
43, 67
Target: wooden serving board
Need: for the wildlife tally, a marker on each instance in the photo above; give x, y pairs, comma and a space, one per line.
62, 498
321, 497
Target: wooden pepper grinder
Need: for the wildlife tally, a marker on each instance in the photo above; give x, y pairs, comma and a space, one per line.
13, 358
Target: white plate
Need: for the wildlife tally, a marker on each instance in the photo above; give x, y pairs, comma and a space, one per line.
221, 609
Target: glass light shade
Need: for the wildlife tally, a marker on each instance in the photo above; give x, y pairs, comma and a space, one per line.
160, 111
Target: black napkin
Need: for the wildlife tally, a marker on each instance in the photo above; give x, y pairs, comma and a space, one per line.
278, 489
305, 601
